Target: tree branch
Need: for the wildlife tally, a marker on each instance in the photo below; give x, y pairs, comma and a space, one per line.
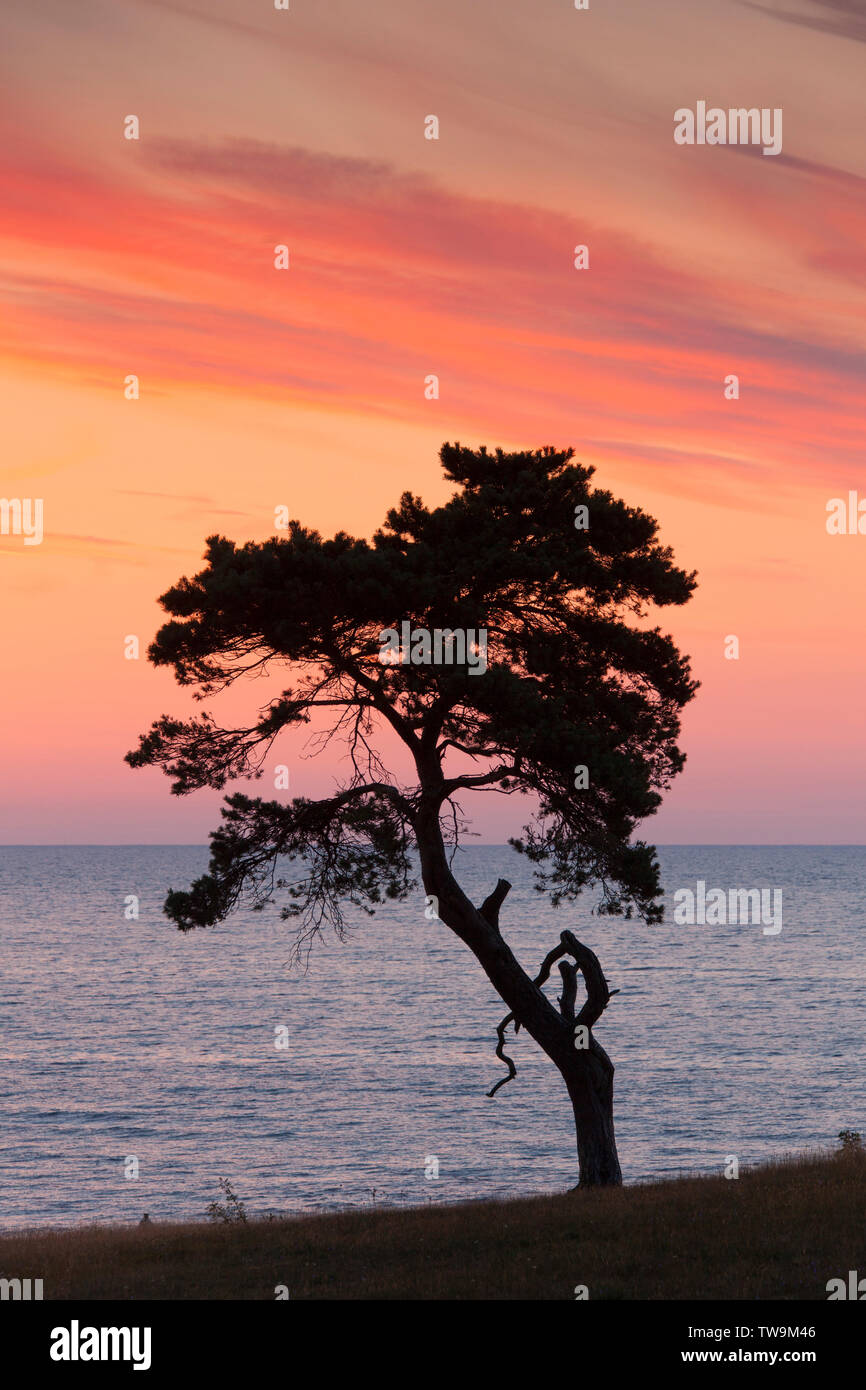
586, 961
597, 993
500, 1052
489, 909
382, 789
479, 779
341, 663
569, 990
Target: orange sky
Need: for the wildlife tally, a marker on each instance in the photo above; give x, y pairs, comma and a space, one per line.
408, 257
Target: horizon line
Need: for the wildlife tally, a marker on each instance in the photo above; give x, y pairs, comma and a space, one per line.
483, 844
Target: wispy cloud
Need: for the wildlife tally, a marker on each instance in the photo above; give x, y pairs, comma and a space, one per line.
844, 18
395, 277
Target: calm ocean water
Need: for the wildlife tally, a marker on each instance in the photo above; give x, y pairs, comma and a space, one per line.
122, 1039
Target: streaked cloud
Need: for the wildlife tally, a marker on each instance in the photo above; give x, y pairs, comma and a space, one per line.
846, 19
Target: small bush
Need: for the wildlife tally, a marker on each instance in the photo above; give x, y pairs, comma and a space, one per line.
231, 1210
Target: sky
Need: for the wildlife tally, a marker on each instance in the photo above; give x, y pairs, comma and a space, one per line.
409, 257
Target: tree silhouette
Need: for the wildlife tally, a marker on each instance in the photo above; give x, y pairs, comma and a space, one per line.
527, 553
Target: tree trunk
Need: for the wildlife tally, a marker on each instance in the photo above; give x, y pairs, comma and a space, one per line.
587, 1071
590, 1088
589, 1075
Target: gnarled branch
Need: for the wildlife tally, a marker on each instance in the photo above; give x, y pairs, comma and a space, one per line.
598, 995
501, 1054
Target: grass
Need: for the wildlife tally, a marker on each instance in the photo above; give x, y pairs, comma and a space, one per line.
779, 1231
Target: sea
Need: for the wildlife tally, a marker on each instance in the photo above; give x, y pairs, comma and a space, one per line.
141, 1067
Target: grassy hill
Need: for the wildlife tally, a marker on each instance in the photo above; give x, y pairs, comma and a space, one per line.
778, 1231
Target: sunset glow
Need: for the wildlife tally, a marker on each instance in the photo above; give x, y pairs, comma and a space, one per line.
411, 257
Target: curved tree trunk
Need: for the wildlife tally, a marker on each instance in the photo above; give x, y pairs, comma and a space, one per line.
587, 1070
589, 1077
590, 1089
